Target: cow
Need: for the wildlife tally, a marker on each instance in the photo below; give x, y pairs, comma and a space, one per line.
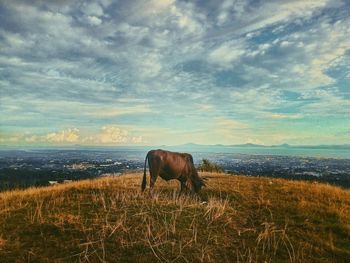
172, 165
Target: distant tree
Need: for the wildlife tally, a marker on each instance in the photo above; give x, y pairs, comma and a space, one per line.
208, 166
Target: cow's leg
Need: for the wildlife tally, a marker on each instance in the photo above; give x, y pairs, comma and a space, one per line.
153, 167
152, 182
154, 174
183, 187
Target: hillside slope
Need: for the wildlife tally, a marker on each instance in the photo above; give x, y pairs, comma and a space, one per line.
235, 219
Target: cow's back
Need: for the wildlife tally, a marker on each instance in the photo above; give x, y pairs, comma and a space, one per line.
171, 164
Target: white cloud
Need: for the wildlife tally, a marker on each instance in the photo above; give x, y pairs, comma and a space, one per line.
325, 103
152, 7
92, 9
258, 98
279, 116
182, 19
94, 20
106, 3
187, 19
137, 139
224, 11
143, 64
70, 135
13, 61
108, 134
13, 39
131, 32
227, 54
32, 139
313, 52
112, 134
274, 12
285, 43
10, 138
112, 111
229, 9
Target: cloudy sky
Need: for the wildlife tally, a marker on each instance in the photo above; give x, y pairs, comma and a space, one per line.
111, 72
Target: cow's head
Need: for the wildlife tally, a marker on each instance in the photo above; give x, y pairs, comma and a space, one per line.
197, 183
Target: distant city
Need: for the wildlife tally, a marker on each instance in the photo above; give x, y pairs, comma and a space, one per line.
25, 168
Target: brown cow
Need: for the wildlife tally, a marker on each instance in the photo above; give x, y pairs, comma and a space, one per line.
172, 165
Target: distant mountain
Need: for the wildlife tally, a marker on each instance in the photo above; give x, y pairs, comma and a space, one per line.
217, 145
284, 145
248, 145
327, 146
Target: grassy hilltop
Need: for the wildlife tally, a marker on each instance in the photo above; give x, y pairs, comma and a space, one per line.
235, 219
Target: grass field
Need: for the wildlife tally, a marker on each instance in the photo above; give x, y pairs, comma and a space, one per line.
234, 219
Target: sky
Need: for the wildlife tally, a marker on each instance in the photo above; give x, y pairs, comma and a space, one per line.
117, 72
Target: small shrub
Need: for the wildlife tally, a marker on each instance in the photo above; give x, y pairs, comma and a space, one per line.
208, 166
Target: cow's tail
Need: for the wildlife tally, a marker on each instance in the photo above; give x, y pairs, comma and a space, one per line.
144, 181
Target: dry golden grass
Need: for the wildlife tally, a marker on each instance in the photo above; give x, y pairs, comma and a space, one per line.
234, 219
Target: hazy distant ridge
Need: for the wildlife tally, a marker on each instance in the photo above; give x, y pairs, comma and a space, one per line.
285, 145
